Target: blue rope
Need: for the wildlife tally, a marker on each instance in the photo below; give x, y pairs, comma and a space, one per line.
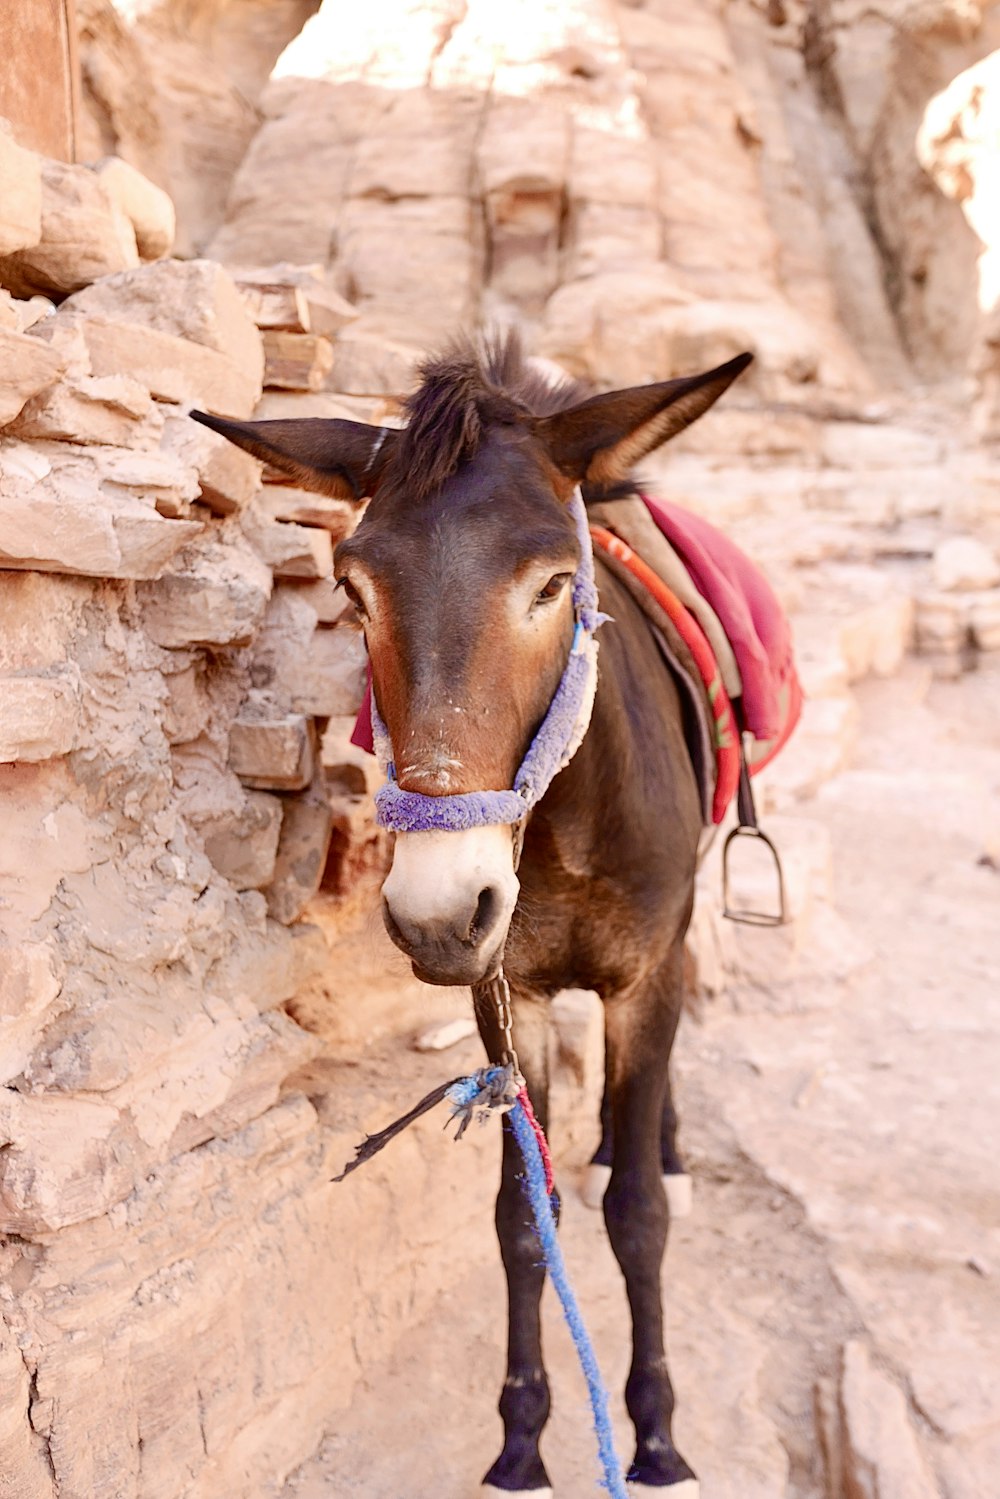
545, 1222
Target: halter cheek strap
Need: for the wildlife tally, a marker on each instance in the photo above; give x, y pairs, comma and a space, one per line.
557, 741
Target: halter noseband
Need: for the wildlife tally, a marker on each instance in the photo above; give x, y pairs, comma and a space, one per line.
556, 742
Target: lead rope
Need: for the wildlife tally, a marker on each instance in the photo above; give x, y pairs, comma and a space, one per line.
502, 1089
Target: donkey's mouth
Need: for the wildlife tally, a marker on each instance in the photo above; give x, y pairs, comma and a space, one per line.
453, 977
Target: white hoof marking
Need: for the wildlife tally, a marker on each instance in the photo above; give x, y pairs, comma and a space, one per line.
489, 1492
679, 1194
677, 1187
688, 1488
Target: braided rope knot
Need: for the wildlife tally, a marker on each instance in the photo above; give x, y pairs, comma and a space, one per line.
489, 1091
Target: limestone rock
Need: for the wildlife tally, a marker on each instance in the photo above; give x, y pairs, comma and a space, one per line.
306, 829
296, 297
269, 749
323, 595
330, 678
148, 208
39, 713
296, 361
56, 517
228, 477
293, 551
27, 367
25, 1454
20, 197
111, 409
961, 563
882, 1457
212, 596
83, 236
31, 975
243, 846
281, 502
194, 300
984, 617
367, 365
172, 368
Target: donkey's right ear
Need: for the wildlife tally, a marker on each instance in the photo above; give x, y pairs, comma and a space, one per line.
339, 458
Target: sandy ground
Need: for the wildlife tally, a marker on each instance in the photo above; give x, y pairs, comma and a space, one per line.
843, 1145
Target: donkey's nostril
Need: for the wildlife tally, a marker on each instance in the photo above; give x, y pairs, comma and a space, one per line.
487, 913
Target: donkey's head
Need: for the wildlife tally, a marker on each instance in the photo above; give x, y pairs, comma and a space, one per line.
459, 572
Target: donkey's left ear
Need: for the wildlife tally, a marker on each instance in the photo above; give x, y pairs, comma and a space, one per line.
599, 441
339, 458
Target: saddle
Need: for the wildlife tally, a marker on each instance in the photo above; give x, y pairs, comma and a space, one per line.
726, 641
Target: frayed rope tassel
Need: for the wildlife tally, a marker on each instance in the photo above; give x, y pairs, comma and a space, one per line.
499, 1090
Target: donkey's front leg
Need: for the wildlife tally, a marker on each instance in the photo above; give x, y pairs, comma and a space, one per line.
639, 1032
524, 1400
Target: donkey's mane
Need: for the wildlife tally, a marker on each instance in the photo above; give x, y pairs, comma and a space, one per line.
473, 384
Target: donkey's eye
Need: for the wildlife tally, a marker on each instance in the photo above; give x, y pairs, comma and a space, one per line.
352, 593
553, 588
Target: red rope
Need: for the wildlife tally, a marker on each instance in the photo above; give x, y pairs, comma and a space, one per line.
539, 1133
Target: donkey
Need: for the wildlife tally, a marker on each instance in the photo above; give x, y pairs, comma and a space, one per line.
459, 572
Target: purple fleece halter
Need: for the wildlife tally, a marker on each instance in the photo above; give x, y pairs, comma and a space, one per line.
552, 748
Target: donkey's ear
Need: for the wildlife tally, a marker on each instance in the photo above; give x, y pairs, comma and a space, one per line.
599, 441
339, 458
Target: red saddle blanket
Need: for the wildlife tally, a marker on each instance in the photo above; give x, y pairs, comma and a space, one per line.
754, 622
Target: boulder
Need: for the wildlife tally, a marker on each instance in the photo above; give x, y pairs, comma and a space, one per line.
20, 196
27, 366
84, 236
147, 207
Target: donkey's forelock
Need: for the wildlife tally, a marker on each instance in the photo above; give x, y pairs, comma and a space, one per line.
473, 384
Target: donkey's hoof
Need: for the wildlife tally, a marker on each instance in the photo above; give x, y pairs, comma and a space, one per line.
677, 1186
489, 1492
595, 1184
688, 1488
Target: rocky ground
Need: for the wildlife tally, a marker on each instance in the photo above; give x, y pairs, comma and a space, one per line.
833, 1320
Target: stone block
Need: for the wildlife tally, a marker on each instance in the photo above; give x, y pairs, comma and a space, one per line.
293, 551
879, 445
147, 207
242, 846
168, 485
964, 564
228, 478
195, 300
269, 749
296, 297
281, 502
172, 368
274, 305
306, 830
56, 516
367, 365
27, 367
822, 745
213, 595
39, 713
108, 409
330, 678
20, 197
943, 622
84, 236
296, 361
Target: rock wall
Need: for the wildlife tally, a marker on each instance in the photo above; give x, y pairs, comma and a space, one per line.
637, 185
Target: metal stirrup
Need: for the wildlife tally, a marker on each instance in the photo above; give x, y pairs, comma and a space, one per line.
747, 827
